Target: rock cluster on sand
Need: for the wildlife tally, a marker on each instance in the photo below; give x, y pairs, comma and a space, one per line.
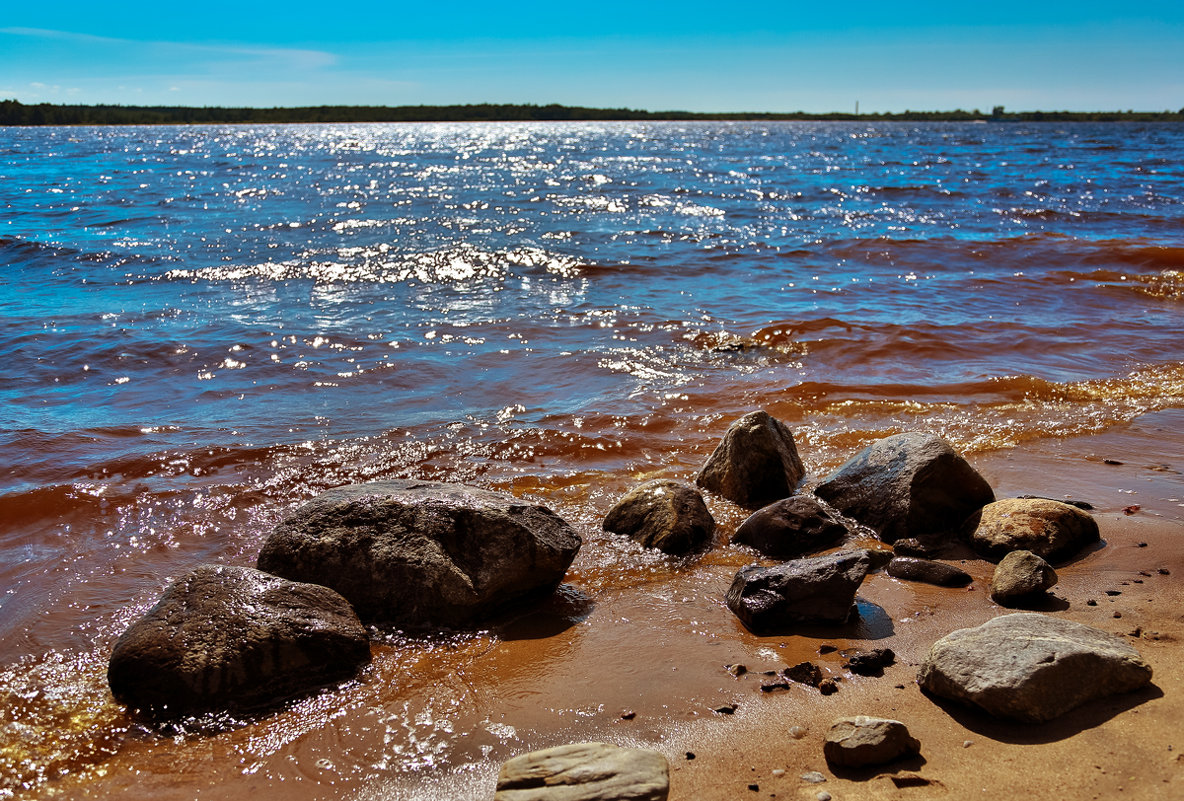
820, 589
421, 554
1021, 577
585, 772
790, 527
907, 485
1031, 667
859, 741
226, 637
755, 463
667, 515
928, 571
1050, 529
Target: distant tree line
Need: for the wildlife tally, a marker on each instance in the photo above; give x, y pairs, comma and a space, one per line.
13, 112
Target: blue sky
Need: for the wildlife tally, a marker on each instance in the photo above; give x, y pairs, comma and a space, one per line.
693, 55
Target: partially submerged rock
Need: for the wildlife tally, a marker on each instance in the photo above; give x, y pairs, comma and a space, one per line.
907, 485
1020, 577
859, 741
422, 554
1050, 529
910, 568
667, 515
820, 589
755, 463
790, 527
231, 638
585, 772
1031, 667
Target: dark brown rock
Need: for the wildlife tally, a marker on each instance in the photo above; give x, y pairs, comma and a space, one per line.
1050, 529
819, 589
804, 673
869, 662
790, 527
928, 571
859, 741
755, 463
667, 515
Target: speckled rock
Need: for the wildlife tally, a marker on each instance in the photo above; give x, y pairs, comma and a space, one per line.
1021, 576
790, 527
667, 515
859, 741
585, 772
1050, 529
755, 463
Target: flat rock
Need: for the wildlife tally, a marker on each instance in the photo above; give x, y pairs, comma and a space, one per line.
755, 463
1021, 576
818, 589
585, 772
868, 662
910, 568
1050, 529
1031, 667
790, 527
859, 741
907, 485
232, 638
667, 515
422, 554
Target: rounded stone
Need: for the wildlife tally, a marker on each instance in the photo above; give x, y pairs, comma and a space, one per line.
667, 515
1050, 529
755, 463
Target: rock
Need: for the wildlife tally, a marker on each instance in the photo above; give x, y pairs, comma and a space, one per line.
870, 662
667, 515
911, 546
232, 638
828, 687
907, 485
804, 673
1050, 529
1031, 667
859, 741
755, 464
1021, 575
819, 589
928, 571
585, 772
790, 527
421, 554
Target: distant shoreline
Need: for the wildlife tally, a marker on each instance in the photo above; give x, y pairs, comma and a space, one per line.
15, 113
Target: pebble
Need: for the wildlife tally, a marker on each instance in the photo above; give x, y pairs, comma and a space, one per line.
797, 732
628, 714
828, 687
736, 670
967, 743
779, 772
726, 709
823, 796
690, 754
813, 777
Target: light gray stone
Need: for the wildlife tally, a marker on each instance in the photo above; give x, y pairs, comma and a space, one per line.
755, 463
585, 772
859, 741
667, 515
1020, 576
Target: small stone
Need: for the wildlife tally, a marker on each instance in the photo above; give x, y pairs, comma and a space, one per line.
967, 743
771, 686
690, 754
726, 709
628, 714
754, 787
778, 772
1113, 593
823, 796
861, 740
819, 589
667, 515
911, 546
869, 662
797, 732
827, 648
909, 568
1163, 571
1136, 632
584, 772
736, 670
813, 777
1050, 529
1118, 614
1021, 577
791, 527
910, 780
828, 687
755, 464
1091, 602
804, 673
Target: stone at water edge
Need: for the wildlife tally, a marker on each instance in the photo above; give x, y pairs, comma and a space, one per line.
909, 568
858, 741
423, 554
1050, 529
1031, 667
790, 527
819, 589
1021, 576
755, 463
225, 638
667, 515
585, 772
907, 485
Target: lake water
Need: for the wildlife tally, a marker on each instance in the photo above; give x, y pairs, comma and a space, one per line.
201, 327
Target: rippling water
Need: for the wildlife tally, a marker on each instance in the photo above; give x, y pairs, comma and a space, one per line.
203, 326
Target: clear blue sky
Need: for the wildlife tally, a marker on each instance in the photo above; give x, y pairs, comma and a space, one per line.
698, 56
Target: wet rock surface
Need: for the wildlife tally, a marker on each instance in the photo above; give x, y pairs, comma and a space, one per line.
868, 662
1021, 577
423, 555
790, 527
1031, 667
1050, 529
818, 589
755, 463
928, 571
907, 485
667, 515
233, 638
860, 741
585, 772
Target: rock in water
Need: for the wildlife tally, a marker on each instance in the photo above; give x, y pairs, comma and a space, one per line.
907, 485
755, 464
928, 571
585, 772
790, 527
667, 515
422, 554
1050, 529
820, 589
1020, 576
230, 638
858, 741
1031, 667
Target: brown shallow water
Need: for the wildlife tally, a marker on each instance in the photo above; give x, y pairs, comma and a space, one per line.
633, 632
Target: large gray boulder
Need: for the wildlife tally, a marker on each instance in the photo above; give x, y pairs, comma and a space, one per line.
231, 638
585, 772
755, 463
859, 741
1031, 667
1050, 529
907, 485
1020, 577
819, 589
421, 554
790, 527
667, 515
